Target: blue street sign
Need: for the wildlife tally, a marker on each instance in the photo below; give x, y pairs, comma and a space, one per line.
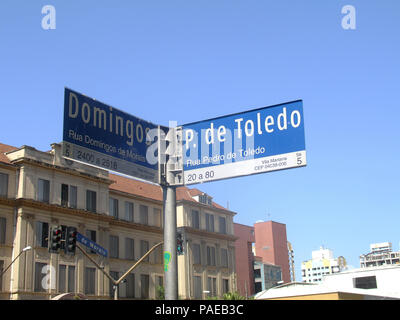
255, 141
91, 244
102, 136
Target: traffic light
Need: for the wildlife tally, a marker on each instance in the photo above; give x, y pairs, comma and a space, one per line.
179, 243
70, 241
55, 239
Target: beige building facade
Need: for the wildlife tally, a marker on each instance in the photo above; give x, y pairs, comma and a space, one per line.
209, 246
39, 190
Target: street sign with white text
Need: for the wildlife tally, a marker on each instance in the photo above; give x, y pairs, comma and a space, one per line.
255, 141
102, 136
91, 245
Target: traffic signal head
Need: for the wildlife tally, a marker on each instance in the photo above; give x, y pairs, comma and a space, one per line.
55, 239
70, 241
179, 243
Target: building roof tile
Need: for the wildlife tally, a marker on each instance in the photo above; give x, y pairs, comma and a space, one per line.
3, 149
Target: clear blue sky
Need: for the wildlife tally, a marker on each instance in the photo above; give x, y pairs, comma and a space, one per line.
194, 60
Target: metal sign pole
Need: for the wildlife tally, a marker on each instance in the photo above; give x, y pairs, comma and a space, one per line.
170, 253
173, 173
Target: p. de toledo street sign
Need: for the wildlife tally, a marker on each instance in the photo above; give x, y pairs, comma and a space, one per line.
256, 141
105, 137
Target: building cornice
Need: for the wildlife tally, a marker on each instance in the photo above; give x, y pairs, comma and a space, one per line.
205, 207
73, 172
34, 204
208, 234
134, 196
8, 166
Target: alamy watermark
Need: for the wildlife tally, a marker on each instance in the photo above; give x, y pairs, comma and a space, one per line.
349, 20
49, 280
49, 20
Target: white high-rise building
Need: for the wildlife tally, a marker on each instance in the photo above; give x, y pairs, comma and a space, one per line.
321, 264
380, 254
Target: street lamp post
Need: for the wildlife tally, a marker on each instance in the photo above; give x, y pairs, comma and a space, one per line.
22, 251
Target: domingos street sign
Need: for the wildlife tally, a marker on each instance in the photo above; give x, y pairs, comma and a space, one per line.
102, 136
256, 141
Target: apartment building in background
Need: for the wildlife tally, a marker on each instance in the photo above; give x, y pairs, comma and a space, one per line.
263, 256
244, 259
322, 263
266, 275
380, 254
291, 262
272, 246
125, 216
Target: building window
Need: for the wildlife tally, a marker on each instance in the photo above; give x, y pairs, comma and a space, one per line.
128, 211
335, 269
43, 190
144, 214
73, 199
144, 247
159, 281
197, 287
114, 208
64, 195
3, 225
224, 258
69, 196
203, 198
3, 185
257, 287
211, 256
129, 249
71, 279
196, 253
130, 285
114, 247
365, 282
39, 275
90, 280
158, 286
222, 225
91, 200
225, 286
195, 219
209, 222
144, 286
278, 275
212, 286
42, 234
62, 276
157, 217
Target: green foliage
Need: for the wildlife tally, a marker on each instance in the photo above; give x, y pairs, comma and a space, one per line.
230, 296
233, 296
